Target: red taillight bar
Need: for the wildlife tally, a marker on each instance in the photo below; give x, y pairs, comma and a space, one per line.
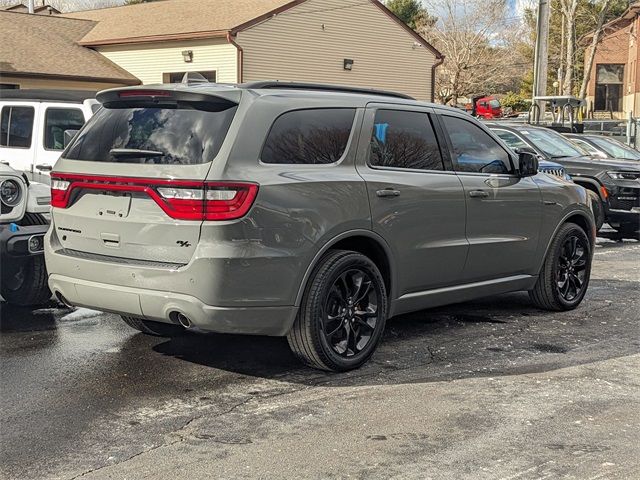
143, 93
63, 185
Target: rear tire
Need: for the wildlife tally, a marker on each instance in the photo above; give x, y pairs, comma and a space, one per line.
598, 209
157, 329
24, 283
564, 278
343, 313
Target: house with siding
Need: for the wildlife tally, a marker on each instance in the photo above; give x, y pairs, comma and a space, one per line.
349, 42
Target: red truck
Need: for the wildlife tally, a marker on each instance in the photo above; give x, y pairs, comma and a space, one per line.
485, 106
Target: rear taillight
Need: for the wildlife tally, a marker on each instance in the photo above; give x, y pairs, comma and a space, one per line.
182, 200
59, 188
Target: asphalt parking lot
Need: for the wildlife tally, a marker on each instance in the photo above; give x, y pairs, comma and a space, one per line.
489, 389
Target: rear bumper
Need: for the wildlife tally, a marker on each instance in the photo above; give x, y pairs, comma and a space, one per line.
163, 306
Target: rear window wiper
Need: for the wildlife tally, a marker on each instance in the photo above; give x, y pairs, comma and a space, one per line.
134, 152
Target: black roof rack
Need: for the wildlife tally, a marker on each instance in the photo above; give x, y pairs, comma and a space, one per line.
322, 87
43, 94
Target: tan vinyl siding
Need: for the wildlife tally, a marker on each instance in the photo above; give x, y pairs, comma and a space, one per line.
310, 41
149, 61
52, 83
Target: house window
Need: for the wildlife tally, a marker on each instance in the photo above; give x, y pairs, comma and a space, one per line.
609, 81
176, 77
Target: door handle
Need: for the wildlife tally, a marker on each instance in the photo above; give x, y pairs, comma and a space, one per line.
478, 194
44, 167
388, 192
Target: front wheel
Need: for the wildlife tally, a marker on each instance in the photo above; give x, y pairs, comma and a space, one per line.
24, 281
598, 209
343, 313
564, 277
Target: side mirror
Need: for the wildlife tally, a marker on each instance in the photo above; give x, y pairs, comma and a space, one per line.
528, 162
68, 136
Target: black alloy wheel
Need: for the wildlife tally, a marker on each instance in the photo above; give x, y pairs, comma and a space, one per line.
572, 268
350, 313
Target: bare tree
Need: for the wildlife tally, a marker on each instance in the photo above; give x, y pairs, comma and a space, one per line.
474, 36
596, 35
569, 9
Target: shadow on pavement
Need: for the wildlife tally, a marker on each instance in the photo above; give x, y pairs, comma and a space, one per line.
28, 319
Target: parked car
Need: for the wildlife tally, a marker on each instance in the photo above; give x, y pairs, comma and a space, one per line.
308, 211
33, 123
614, 184
605, 147
24, 219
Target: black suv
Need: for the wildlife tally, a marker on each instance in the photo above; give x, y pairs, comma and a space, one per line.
615, 183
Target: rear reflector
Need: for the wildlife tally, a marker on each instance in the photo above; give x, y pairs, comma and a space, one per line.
180, 199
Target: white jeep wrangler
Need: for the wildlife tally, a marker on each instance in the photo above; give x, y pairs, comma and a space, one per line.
24, 219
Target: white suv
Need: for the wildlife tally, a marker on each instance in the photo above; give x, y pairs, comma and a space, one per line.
33, 125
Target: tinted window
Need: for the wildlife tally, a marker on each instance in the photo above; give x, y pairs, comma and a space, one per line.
404, 139
309, 136
56, 121
16, 127
182, 136
511, 139
473, 149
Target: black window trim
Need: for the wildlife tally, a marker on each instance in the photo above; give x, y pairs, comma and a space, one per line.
33, 123
373, 109
44, 125
347, 147
510, 155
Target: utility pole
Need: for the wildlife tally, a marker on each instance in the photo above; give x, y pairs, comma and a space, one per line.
541, 58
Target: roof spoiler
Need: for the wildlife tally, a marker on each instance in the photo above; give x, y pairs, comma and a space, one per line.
145, 95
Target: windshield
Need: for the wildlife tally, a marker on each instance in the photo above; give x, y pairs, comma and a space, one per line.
552, 143
494, 103
152, 135
616, 149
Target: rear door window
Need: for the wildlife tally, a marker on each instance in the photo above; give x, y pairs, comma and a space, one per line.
185, 135
315, 136
404, 139
16, 126
56, 121
474, 150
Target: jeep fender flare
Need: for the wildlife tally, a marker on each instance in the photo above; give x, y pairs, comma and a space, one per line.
343, 236
597, 186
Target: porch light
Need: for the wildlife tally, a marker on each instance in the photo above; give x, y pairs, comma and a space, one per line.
348, 64
187, 56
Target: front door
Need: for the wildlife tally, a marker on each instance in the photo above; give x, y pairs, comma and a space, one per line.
417, 206
504, 211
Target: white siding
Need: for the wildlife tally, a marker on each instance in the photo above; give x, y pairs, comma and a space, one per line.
310, 41
149, 61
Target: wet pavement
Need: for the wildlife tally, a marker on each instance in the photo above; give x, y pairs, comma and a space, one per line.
486, 389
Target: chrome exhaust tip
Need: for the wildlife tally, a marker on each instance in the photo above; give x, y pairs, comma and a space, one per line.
183, 320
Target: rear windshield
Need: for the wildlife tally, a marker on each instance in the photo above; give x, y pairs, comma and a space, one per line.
161, 136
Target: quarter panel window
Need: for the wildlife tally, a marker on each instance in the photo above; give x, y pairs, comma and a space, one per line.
473, 149
404, 139
315, 136
56, 121
16, 126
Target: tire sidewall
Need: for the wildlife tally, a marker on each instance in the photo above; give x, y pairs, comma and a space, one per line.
564, 234
318, 300
598, 209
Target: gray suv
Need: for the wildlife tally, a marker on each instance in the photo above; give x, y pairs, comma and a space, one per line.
309, 211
